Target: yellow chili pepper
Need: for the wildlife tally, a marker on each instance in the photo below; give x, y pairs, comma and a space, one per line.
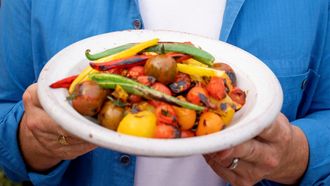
126, 53
194, 62
200, 71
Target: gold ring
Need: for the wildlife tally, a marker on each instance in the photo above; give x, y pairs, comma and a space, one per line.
62, 140
233, 164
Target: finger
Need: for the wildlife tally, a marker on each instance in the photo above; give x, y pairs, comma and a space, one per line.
225, 154
224, 173
49, 139
30, 96
249, 172
251, 151
73, 151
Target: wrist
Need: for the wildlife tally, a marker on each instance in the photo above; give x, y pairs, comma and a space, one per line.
295, 161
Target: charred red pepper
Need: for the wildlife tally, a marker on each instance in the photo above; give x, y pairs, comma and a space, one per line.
120, 63
64, 83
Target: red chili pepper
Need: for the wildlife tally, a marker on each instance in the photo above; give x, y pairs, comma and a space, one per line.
178, 55
64, 83
120, 63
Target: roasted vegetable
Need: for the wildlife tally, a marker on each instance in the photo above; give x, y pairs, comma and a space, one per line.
229, 71
63, 83
209, 122
110, 115
162, 67
88, 98
216, 88
131, 61
186, 118
166, 131
166, 114
141, 124
185, 48
108, 52
181, 84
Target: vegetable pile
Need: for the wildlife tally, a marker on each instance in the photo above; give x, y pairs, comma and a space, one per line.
156, 89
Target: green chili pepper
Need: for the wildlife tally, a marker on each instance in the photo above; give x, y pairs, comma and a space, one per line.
133, 87
185, 48
106, 53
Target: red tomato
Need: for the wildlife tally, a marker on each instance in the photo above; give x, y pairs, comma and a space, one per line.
161, 88
187, 134
193, 95
146, 80
135, 72
238, 95
216, 88
166, 131
165, 114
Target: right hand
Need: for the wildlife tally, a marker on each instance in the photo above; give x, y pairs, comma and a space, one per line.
39, 136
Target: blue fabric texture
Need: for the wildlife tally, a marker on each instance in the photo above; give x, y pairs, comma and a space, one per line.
291, 37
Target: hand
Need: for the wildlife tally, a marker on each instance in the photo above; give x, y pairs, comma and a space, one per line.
280, 153
44, 143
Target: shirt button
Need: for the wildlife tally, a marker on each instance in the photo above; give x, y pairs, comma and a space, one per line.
137, 24
125, 159
304, 84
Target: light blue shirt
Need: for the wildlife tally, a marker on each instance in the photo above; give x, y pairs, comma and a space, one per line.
291, 37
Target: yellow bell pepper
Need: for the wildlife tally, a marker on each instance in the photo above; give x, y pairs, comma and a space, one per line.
126, 53
200, 71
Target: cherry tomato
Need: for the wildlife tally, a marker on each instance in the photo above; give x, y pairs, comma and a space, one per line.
194, 94
229, 71
182, 83
88, 98
146, 80
216, 88
141, 124
166, 131
135, 72
209, 122
186, 117
166, 114
162, 88
238, 95
162, 67
187, 134
134, 98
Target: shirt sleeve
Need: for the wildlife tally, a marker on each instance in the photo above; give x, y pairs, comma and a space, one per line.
16, 74
316, 125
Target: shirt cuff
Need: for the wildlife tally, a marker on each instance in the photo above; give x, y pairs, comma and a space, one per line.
316, 128
10, 155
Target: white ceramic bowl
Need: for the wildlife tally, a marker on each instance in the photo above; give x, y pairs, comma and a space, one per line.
263, 102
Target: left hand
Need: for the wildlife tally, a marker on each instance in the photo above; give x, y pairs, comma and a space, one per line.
280, 153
